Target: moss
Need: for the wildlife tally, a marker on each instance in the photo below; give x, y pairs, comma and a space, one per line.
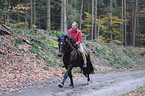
52, 42
143, 51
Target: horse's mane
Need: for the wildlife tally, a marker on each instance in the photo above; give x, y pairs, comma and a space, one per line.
66, 37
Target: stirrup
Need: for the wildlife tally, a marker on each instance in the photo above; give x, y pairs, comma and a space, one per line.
85, 66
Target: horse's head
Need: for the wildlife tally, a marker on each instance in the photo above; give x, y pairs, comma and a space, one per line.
63, 42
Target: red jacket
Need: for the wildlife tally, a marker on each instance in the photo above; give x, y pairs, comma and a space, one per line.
76, 36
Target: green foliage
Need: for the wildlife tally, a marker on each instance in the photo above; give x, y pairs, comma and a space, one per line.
73, 14
117, 41
104, 54
114, 55
55, 33
1, 11
34, 49
105, 28
52, 42
18, 25
87, 24
17, 41
143, 51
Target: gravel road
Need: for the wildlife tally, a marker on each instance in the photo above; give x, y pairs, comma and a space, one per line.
111, 84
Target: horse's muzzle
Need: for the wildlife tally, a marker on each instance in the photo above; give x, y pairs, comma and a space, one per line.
60, 55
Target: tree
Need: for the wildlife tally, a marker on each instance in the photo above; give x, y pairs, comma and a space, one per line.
34, 13
8, 11
132, 21
62, 12
5, 8
92, 19
48, 15
26, 13
65, 22
81, 14
31, 24
18, 12
111, 18
95, 18
63, 16
131, 31
125, 22
98, 27
134, 32
122, 25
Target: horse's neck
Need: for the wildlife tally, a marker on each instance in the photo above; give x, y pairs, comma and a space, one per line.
68, 53
69, 49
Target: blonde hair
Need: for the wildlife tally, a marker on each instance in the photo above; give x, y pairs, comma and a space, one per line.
75, 23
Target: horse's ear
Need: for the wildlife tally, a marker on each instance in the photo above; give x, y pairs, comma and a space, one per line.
66, 38
58, 39
69, 37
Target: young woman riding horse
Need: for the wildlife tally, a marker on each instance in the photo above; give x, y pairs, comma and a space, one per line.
71, 57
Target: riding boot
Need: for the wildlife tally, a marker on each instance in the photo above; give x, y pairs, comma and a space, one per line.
85, 64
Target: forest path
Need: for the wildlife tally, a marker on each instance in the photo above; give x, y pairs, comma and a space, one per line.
111, 84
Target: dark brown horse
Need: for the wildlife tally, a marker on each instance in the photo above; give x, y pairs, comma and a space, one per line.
72, 58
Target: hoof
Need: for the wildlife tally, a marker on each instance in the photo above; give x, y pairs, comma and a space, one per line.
88, 82
71, 87
60, 85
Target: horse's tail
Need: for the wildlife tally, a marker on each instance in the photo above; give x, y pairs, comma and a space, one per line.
91, 68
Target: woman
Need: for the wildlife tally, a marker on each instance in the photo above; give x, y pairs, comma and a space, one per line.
76, 35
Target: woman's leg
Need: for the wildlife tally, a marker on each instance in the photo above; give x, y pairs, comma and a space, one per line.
83, 55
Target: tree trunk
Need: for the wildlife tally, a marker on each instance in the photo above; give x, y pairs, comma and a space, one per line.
88, 12
39, 21
34, 13
125, 22
16, 35
65, 22
92, 18
132, 16
48, 15
135, 23
31, 24
62, 16
95, 19
18, 12
5, 12
122, 24
26, 14
81, 14
111, 19
8, 11
99, 27
138, 43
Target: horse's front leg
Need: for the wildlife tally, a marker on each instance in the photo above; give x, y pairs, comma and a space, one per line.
71, 80
65, 76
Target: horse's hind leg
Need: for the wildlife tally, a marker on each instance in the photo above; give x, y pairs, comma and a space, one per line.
88, 80
71, 81
86, 73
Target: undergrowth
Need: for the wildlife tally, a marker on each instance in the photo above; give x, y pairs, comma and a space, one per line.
45, 47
